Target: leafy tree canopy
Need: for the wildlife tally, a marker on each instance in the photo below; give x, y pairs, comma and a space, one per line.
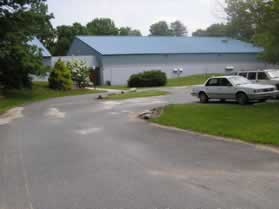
178, 28
65, 36
127, 31
162, 28
102, 26
20, 21
216, 30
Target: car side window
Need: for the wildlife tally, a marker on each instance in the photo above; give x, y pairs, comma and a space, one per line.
243, 75
213, 82
224, 82
252, 76
262, 76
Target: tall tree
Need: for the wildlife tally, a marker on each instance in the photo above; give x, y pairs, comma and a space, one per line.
216, 30
243, 16
256, 21
178, 28
45, 31
20, 20
102, 26
127, 31
160, 28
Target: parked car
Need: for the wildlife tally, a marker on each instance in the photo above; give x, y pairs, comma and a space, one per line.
233, 88
268, 76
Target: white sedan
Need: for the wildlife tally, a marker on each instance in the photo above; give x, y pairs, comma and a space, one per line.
233, 88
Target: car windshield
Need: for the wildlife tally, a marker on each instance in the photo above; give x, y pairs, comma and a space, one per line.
274, 74
239, 80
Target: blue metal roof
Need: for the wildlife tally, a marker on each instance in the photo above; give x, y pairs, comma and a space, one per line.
38, 44
127, 45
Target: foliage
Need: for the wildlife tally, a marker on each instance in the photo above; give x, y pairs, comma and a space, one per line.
178, 28
65, 36
45, 32
20, 20
243, 16
148, 79
259, 123
127, 31
256, 21
102, 26
160, 28
40, 91
60, 77
80, 73
215, 30
130, 95
268, 32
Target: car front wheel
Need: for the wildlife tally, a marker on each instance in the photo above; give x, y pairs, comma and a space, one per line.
203, 98
242, 98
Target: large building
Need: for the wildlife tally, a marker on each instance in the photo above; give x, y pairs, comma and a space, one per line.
116, 58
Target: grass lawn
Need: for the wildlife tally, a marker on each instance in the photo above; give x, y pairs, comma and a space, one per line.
130, 95
253, 123
39, 92
189, 80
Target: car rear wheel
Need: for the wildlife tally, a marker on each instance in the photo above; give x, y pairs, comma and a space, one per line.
203, 98
242, 98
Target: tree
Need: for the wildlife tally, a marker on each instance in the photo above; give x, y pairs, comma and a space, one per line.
60, 77
243, 16
20, 20
256, 21
215, 30
178, 28
45, 32
127, 31
160, 28
267, 34
102, 26
65, 36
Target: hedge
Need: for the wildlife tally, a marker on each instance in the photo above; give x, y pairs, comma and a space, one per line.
148, 79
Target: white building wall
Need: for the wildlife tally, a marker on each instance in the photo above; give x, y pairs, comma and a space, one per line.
117, 69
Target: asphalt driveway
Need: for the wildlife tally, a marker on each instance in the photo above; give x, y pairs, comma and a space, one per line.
80, 153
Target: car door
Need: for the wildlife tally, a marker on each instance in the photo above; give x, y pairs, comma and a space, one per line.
211, 88
252, 76
226, 89
263, 78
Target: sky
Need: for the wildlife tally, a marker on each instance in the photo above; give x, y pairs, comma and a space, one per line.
138, 14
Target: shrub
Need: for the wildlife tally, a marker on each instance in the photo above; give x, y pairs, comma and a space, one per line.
60, 77
148, 79
80, 73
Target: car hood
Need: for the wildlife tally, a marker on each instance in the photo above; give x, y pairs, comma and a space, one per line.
256, 86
